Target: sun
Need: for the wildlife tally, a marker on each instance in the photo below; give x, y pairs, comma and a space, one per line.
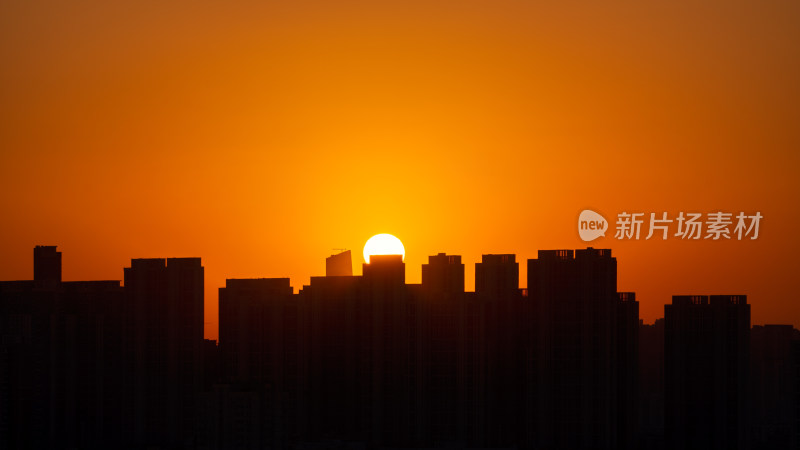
383, 244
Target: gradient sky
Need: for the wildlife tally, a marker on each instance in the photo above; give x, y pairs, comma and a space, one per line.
262, 135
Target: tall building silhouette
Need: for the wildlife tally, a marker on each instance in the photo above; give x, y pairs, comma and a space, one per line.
251, 329
497, 276
772, 381
164, 348
443, 329
335, 337
339, 265
583, 334
706, 366
443, 275
46, 266
60, 365
392, 351
497, 289
795, 395
628, 374
258, 350
651, 384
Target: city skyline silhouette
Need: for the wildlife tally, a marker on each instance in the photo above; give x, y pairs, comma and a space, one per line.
372, 361
211, 313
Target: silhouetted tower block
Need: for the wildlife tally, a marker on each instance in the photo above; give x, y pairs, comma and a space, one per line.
706, 365
258, 343
497, 286
339, 265
627, 370
385, 270
165, 305
651, 384
46, 266
253, 328
773, 375
88, 338
391, 331
796, 382
575, 348
497, 276
444, 274
335, 367
441, 329
60, 356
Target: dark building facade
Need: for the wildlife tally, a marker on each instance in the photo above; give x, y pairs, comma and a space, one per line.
497, 276
706, 366
164, 349
46, 266
651, 385
584, 351
504, 326
443, 275
339, 265
443, 330
627, 372
773, 375
60, 365
258, 353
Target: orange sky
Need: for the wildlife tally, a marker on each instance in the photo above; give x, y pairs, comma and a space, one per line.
261, 136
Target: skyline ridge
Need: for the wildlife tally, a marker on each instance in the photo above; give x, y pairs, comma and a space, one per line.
297, 289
